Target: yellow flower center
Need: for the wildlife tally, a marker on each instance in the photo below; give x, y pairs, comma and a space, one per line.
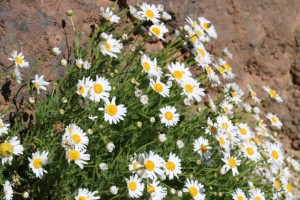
275, 155
253, 94
222, 141
76, 138
37, 163
257, 140
132, 185
1, 125
277, 185
6, 149
193, 191
273, 93
225, 125
177, 74
37, 85
169, 115
208, 70
250, 151
232, 162
81, 90
227, 67
202, 52
81, 198
240, 198
156, 30
257, 198
193, 38
243, 131
98, 88
150, 188
189, 88
111, 109
221, 69
274, 120
18, 60
170, 166
150, 14
136, 165
74, 155
203, 148
199, 33
149, 165
206, 26
146, 66
233, 94
226, 109
158, 87
107, 46
289, 187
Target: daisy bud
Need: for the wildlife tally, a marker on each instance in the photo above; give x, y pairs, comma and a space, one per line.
179, 193
56, 51
198, 162
160, 7
173, 191
32, 100
69, 13
79, 63
256, 110
162, 177
186, 27
110, 147
179, 144
186, 102
103, 166
169, 83
166, 16
223, 170
152, 119
86, 65
113, 189
139, 124
177, 33
133, 81
62, 111
162, 137
124, 36
64, 100
90, 131
25, 195
63, 62
133, 49
111, 74
220, 194
116, 71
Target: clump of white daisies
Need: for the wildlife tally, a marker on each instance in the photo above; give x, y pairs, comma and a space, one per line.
129, 122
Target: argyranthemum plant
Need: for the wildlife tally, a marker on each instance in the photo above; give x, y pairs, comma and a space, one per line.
128, 122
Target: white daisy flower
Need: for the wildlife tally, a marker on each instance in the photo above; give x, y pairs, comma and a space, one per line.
195, 189
135, 186
156, 191
39, 83
110, 46
274, 153
202, 147
113, 190
168, 116
211, 129
37, 161
10, 147
79, 63
85, 194
76, 137
257, 194
274, 120
8, 191
288, 189
84, 85
253, 95
238, 194
202, 57
191, 22
113, 113
226, 107
191, 88
100, 89
108, 15
172, 166
225, 125
233, 92
150, 13
208, 27
223, 141
150, 66
273, 94
178, 71
3, 127
227, 68
78, 156
18, 59
153, 164
160, 87
212, 76
135, 13
231, 163
243, 131
251, 151
159, 30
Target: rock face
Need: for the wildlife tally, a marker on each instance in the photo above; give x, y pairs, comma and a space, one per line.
264, 37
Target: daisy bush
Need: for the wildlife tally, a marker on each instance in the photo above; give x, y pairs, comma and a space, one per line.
127, 121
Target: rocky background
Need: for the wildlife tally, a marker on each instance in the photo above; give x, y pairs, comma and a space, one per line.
264, 37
